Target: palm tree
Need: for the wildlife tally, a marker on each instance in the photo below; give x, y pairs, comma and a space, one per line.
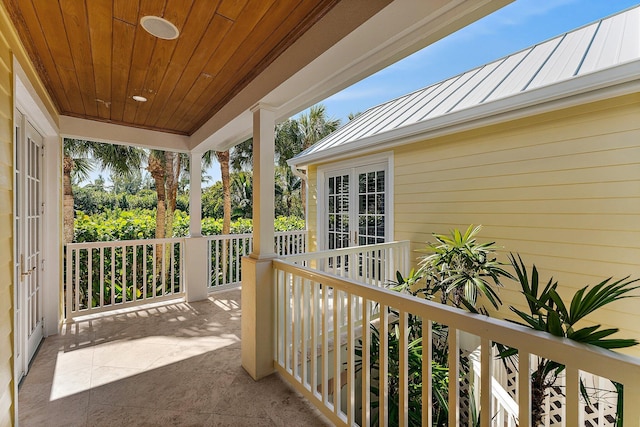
79, 158
296, 135
223, 159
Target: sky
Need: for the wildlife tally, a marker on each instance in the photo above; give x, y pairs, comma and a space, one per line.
517, 26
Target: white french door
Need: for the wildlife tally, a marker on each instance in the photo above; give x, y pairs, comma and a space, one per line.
357, 206
29, 207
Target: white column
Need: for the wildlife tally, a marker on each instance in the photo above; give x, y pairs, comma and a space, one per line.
195, 194
195, 250
263, 181
257, 274
52, 242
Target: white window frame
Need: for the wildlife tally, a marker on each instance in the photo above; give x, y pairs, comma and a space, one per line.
385, 158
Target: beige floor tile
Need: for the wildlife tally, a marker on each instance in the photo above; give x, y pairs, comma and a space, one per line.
172, 365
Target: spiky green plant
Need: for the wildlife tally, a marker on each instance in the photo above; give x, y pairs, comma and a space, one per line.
549, 313
461, 268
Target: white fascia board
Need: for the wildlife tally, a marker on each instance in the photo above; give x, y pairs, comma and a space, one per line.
617, 81
73, 127
399, 29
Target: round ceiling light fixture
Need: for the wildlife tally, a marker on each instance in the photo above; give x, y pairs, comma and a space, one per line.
159, 27
139, 98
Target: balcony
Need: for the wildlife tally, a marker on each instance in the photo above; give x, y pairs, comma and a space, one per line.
141, 359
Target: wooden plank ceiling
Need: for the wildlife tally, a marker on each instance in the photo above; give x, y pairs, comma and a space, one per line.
93, 55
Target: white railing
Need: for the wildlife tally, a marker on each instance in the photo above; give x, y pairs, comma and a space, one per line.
101, 276
322, 349
370, 264
503, 407
225, 254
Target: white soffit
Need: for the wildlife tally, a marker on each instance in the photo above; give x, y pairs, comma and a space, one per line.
578, 56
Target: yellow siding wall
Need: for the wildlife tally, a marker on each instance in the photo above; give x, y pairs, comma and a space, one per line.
10, 46
6, 230
561, 189
312, 214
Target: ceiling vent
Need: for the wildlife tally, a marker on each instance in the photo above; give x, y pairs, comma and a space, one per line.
159, 27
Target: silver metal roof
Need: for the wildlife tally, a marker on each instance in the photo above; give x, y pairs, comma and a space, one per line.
608, 43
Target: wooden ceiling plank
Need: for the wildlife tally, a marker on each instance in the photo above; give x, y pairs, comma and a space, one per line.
240, 70
126, 10
231, 9
51, 22
122, 50
175, 12
100, 17
74, 14
26, 22
233, 42
300, 20
143, 48
195, 26
212, 38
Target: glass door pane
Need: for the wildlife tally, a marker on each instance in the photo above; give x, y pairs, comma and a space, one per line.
371, 207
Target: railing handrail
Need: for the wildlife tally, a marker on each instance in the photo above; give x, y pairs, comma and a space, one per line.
245, 235
618, 367
111, 243
116, 243
344, 251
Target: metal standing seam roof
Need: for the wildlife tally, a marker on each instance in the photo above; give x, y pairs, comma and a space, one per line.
598, 46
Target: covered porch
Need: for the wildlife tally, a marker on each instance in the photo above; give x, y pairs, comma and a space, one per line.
210, 358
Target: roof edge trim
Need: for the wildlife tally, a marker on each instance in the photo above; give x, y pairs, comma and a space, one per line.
612, 82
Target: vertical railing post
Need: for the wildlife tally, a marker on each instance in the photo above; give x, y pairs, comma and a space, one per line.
195, 268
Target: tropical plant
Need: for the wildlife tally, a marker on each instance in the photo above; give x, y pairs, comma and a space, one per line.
461, 269
548, 312
79, 157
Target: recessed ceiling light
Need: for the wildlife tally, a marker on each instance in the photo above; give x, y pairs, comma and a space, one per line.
159, 27
139, 98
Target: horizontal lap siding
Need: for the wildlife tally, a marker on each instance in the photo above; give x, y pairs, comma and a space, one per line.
6, 227
561, 189
312, 208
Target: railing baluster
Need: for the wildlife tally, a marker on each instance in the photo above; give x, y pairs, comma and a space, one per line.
77, 281
124, 274
154, 284
288, 321
572, 401
524, 389
173, 268
486, 375
145, 279
403, 363
113, 276
383, 406
427, 372
89, 278
295, 306
135, 272
69, 284
304, 328
366, 362
314, 321
101, 277
325, 346
336, 350
454, 369
351, 378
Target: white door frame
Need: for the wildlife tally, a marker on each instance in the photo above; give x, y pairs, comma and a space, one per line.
28, 104
386, 159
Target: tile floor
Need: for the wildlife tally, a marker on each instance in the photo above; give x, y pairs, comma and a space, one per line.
169, 365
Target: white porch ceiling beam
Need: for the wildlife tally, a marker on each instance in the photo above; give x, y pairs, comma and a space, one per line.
401, 28
72, 127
